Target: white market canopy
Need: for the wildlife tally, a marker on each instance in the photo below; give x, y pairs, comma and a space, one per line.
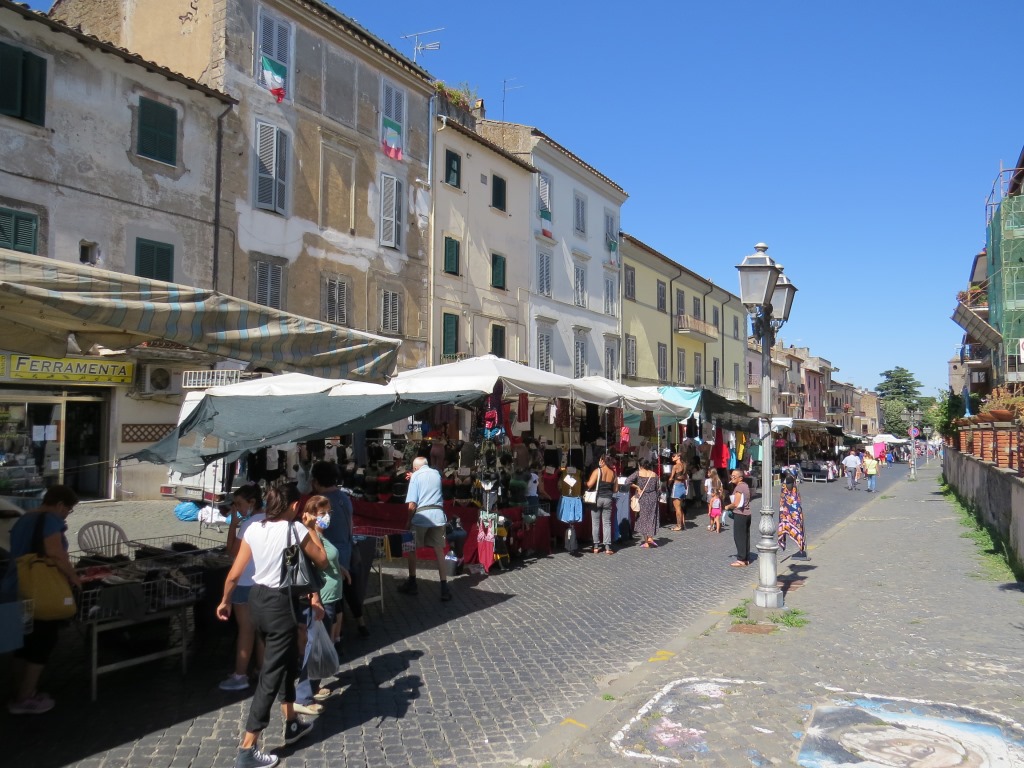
885, 437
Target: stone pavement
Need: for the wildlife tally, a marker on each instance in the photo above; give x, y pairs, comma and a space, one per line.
549, 660
910, 658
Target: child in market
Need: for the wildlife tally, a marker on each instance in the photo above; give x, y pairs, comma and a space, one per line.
716, 496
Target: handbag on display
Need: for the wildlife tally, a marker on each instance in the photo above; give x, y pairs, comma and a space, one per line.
41, 581
298, 574
590, 497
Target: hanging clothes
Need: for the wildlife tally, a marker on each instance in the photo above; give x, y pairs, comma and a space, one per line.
720, 453
562, 413
523, 407
624, 440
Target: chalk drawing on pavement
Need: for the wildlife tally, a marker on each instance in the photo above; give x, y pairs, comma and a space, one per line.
857, 730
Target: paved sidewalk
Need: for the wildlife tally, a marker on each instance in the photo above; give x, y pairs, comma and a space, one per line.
909, 658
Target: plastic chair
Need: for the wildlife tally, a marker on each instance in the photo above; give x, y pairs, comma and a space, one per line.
102, 538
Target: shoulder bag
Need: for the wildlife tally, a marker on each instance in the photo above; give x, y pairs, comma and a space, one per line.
41, 581
590, 497
298, 574
634, 501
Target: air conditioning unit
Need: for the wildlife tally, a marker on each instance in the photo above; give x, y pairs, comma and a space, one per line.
160, 380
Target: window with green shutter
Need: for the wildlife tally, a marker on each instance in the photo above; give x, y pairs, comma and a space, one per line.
497, 271
452, 168
449, 334
451, 256
498, 193
498, 340
22, 84
154, 260
18, 230
158, 131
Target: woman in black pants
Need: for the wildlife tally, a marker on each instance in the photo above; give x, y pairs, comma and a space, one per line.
739, 503
274, 613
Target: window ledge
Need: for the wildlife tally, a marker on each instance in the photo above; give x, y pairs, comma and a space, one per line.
499, 212
541, 237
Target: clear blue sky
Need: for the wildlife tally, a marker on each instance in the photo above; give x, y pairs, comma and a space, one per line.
859, 140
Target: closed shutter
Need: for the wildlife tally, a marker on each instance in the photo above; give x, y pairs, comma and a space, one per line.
629, 289
391, 312
158, 132
497, 271
282, 172
154, 260
681, 366
268, 284
544, 351
336, 301
698, 369
580, 359
10, 67
498, 340
33, 95
451, 256
498, 193
544, 191
544, 273
450, 334
389, 210
662, 362
580, 215
266, 163
631, 356
18, 231
609, 296
580, 286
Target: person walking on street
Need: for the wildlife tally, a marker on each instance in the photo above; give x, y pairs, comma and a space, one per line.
605, 481
273, 611
852, 466
42, 532
870, 470
739, 504
677, 490
427, 521
644, 482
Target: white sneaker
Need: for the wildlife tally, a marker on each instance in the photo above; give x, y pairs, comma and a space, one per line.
234, 683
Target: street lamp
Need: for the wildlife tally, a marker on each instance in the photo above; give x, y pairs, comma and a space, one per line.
928, 444
768, 296
912, 415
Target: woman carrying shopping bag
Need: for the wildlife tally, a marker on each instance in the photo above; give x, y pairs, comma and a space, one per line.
273, 611
646, 488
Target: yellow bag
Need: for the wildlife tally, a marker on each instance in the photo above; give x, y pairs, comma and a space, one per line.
40, 580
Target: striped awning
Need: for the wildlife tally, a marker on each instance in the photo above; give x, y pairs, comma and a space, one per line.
43, 301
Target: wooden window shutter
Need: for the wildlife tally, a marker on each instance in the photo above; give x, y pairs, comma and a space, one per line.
281, 173
544, 273
498, 192
154, 260
544, 192
388, 208
11, 59
266, 163
158, 131
498, 340
451, 255
497, 271
391, 312
336, 301
450, 335
33, 94
268, 284
18, 231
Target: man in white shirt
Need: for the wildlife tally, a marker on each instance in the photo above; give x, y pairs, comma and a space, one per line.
852, 464
427, 521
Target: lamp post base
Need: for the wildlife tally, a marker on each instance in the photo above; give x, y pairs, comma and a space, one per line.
768, 593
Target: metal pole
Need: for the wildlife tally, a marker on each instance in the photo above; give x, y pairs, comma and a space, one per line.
768, 593
913, 446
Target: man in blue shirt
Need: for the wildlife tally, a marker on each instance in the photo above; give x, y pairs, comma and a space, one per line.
427, 522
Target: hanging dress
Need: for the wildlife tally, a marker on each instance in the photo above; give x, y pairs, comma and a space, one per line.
791, 516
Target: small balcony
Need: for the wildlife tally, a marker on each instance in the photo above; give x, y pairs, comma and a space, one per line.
453, 358
697, 329
753, 382
977, 356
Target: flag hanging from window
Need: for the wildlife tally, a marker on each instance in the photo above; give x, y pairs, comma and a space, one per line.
274, 75
545, 222
392, 141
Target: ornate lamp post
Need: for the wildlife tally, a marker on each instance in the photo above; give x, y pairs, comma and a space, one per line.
912, 416
928, 444
768, 296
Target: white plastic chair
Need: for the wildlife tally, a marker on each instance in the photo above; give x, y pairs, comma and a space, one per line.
99, 537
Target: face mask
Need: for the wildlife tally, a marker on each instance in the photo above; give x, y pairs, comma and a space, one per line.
323, 522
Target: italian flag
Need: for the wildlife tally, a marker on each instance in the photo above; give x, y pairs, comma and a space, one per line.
545, 222
391, 143
274, 75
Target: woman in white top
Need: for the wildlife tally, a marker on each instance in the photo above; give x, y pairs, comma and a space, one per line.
273, 613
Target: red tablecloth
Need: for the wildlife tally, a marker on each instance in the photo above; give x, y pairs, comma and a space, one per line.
394, 516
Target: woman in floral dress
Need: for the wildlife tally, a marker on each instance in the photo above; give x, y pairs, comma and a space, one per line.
645, 484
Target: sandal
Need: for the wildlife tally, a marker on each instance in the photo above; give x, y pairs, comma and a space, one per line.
609, 551
675, 528
597, 550
645, 545
654, 544
739, 564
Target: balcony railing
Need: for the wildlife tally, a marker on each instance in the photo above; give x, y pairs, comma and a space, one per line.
691, 325
453, 358
753, 382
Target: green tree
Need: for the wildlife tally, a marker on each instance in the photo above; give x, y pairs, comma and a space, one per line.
899, 384
892, 416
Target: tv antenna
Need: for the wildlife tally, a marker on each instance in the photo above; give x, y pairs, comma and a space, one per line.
418, 47
505, 88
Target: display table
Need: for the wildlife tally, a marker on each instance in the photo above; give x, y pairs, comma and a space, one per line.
367, 514
162, 579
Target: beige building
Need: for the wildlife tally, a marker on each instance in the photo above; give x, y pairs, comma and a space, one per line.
326, 186
480, 271
109, 165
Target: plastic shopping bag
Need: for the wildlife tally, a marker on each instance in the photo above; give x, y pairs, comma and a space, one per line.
323, 659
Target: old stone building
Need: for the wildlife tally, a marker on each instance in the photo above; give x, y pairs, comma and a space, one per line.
326, 191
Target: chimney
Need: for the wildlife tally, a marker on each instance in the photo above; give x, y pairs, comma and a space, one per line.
478, 110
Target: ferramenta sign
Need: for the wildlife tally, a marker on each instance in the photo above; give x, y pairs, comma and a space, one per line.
31, 367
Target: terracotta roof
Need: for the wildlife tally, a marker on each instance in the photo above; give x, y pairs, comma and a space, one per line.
460, 128
575, 158
102, 45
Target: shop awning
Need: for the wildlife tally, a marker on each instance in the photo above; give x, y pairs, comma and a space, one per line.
43, 301
227, 422
732, 414
976, 326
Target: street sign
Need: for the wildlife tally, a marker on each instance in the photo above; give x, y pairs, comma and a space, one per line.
914, 432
